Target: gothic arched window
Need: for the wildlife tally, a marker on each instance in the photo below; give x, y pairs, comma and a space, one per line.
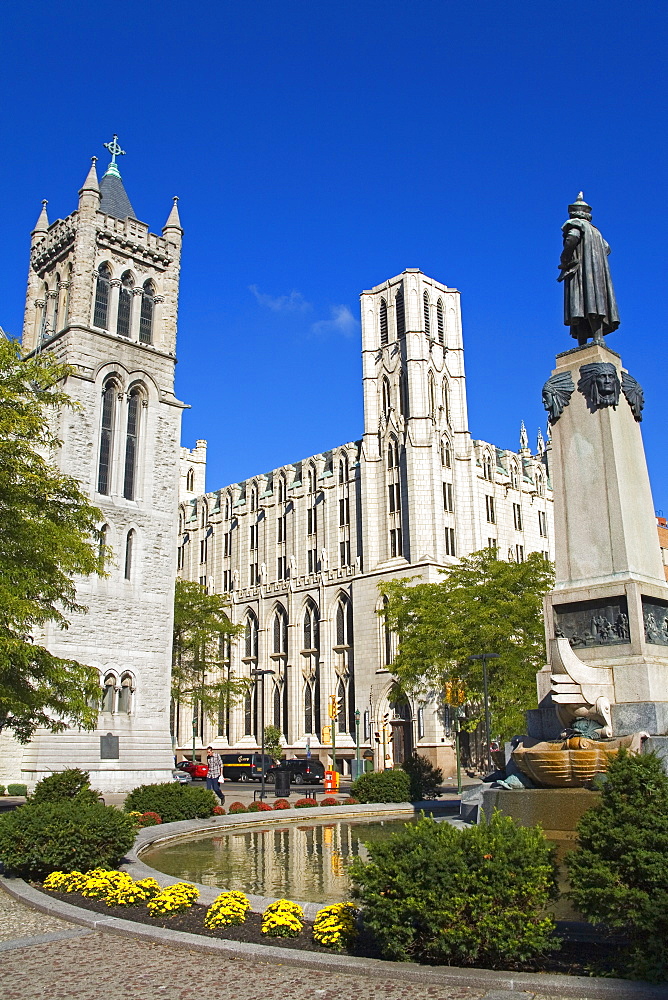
514, 477
129, 553
132, 443
343, 470
109, 694
109, 394
190, 480
124, 318
446, 455
280, 632
125, 694
146, 314
383, 322
102, 286
446, 400
439, 321
487, 466
425, 306
205, 514
432, 398
311, 668
386, 396
400, 312
250, 638
56, 303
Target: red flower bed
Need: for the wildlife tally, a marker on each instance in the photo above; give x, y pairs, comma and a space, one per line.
350, 802
305, 803
237, 807
149, 819
218, 811
257, 807
329, 801
281, 804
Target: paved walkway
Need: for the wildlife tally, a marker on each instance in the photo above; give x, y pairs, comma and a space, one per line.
45, 957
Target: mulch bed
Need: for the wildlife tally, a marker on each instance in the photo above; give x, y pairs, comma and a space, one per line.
575, 958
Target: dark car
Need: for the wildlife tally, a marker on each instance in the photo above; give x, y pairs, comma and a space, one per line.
193, 768
244, 766
302, 771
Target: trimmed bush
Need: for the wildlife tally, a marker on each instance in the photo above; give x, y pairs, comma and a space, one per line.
281, 804
256, 807
38, 839
434, 893
305, 803
619, 870
228, 909
175, 898
2, 789
17, 789
329, 801
282, 919
335, 926
237, 807
382, 786
172, 801
425, 779
63, 786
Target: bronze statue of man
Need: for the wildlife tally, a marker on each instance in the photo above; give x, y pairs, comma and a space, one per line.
590, 308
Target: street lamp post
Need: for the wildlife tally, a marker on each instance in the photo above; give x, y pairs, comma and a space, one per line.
357, 740
262, 674
485, 657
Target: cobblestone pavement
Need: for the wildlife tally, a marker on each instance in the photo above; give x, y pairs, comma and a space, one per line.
43, 957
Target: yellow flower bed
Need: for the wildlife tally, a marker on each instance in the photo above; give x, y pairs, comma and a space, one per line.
113, 887
227, 909
282, 919
173, 899
64, 881
335, 926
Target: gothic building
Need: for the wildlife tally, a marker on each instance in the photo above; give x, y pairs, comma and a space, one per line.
301, 550
102, 295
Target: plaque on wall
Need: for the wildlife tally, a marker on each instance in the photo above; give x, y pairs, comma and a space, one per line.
109, 747
593, 623
655, 617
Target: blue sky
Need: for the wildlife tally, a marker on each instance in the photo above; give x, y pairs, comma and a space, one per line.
319, 148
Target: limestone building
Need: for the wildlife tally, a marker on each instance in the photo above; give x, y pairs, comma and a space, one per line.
103, 295
301, 549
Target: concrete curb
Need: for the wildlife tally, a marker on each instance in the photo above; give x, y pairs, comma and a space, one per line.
575, 987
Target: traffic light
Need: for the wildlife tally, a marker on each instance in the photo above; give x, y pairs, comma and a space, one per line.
326, 735
390, 736
334, 706
377, 735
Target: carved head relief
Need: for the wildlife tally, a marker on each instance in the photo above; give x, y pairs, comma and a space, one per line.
600, 385
557, 393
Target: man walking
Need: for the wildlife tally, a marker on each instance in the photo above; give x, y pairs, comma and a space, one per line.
214, 773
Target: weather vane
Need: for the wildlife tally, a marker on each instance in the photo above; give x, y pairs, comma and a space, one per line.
114, 149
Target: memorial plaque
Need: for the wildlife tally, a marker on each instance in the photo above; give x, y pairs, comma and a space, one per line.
109, 747
593, 623
655, 617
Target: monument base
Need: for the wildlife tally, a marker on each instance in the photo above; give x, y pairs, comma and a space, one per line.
641, 716
556, 810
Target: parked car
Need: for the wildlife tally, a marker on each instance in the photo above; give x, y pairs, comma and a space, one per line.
244, 766
178, 774
302, 770
192, 768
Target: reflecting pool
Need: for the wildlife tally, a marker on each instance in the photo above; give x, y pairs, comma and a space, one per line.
307, 862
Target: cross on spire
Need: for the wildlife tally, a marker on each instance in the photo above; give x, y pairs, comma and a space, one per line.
114, 149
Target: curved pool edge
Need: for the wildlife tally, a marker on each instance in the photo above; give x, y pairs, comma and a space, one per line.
187, 829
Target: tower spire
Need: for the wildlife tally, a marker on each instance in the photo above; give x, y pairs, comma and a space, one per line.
42, 224
115, 150
173, 219
91, 184
115, 201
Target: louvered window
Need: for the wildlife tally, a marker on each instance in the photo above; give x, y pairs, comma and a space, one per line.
400, 313
101, 311
124, 319
146, 316
425, 305
383, 322
439, 322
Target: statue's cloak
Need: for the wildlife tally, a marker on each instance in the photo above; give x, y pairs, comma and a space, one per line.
588, 287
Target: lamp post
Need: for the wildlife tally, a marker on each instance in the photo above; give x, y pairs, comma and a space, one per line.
485, 657
262, 674
357, 740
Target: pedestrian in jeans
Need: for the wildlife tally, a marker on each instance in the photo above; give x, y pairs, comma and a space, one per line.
214, 773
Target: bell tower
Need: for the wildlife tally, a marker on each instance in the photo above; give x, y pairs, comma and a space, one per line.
103, 295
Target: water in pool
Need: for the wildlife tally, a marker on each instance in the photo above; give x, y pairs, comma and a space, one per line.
305, 862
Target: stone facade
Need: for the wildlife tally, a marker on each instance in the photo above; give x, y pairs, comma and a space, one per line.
103, 295
301, 550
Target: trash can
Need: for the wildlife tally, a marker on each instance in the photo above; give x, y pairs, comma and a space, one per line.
282, 785
356, 768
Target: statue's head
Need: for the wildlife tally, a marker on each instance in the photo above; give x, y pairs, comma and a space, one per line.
600, 385
580, 209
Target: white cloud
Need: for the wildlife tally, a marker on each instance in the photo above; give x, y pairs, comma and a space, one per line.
342, 322
294, 302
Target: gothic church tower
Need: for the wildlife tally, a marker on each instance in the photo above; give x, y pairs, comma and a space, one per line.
103, 295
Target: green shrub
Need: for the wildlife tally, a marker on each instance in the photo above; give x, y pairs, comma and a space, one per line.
17, 789
425, 779
38, 839
619, 870
64, 785
172, 801
434, 893
381, 786
2, 789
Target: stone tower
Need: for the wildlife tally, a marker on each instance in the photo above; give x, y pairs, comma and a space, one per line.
103, 295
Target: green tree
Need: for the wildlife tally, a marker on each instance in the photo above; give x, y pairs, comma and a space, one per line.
272, 743
483, 605
48, 535
200, 653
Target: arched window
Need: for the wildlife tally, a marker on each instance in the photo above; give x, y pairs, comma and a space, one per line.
103, 536
129, 552
439, 321
514, 477
392, 455
280, 632
308, 709
109, 399
540, 484
109, 694
132, 443
205, 514
182, 520
342, 699
102, 286
146, 314
343, 470
386, 396
124, 319
446, 455
403, 394
383, 322
253, 499
56, 303
280, 659
432, 398
446, 400
190, 480
487, 466
400, 312
311, 668
227, 508
311, 480
125, 694
388, 640
282, 491
250, 637
425, 306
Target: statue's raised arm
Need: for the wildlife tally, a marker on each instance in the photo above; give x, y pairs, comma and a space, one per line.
590, 308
